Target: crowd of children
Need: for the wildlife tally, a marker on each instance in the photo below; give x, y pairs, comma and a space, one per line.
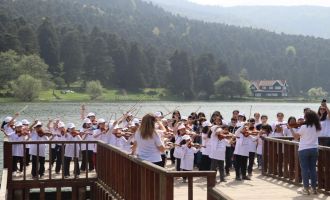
189, 142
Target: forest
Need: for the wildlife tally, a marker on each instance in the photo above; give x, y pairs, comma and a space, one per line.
131, 45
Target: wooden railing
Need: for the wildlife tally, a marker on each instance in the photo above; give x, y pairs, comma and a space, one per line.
118, 176
126, 177
18, 187
280, 160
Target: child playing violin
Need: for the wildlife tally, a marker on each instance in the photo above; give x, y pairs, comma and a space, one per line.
17, 149
265, 130
71, 151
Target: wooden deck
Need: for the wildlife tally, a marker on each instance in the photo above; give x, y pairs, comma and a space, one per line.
260, 187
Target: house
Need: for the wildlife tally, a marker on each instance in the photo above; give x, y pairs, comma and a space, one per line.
269, 88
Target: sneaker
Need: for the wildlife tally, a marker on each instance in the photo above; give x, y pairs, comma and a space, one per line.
14, 173
66, 176
250, 174
304, 191
34, 177
314, 191
227, 174
184, 181
246, 178
238, 179
223, 180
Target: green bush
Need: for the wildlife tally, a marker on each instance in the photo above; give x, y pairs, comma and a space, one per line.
94, 89
26, 88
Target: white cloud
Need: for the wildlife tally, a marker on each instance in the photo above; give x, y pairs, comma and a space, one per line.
264, 2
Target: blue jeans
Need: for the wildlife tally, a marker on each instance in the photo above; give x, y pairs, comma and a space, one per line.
308, 159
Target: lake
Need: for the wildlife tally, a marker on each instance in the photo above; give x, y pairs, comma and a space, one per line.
70, 112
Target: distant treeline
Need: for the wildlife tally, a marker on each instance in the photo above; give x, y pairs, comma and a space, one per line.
132, 44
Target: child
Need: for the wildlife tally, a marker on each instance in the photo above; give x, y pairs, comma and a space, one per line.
278, 130
265, 130
218, 150
58, 135
241, 152
181, 131
187, 152
17, 149
37, 134
87, 134
26, 133
70, 153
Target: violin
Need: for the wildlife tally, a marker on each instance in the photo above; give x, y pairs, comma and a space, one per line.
42, 133
75, 133
295, 124
250, 131
196, 145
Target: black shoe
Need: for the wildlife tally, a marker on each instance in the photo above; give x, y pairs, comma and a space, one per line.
238, 179
250, 174
246, 178
227, 174
223, 180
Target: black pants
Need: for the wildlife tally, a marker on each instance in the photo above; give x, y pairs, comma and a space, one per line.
184, 177
177, 164
220, 165
229, 157
58, 153
160, 163
89, 157
38, 169
205, 164
17, 159
163, 162
67, 161
251, 161
27, 157
240, 165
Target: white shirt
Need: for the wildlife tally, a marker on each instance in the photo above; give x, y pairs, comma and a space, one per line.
308, 137
69, 147
242, 143
42, 147
325, 132
187, 157
176, 153
218, 147
147, 149
17, 149
260, 144
8, 130
89, 136
252, 143
276, 134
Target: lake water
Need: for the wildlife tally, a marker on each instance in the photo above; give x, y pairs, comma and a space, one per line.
70, 112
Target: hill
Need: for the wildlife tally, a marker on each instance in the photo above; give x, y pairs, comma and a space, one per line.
132, 44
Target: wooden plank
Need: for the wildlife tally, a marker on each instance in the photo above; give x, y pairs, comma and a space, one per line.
286, 161
58, 193
42, 193
190, 188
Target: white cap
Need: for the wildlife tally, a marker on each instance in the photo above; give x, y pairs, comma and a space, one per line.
91, 114
38, 124
158, 114
116, 127
184, 118
8, 119
60, 124
182, 126
100, 121
71, 125
25, 122
186, 137
17, 124
241, 114
206, 123
134, 122
87, 121
129, 114
301, 117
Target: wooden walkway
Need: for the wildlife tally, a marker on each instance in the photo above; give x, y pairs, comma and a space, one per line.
260, 187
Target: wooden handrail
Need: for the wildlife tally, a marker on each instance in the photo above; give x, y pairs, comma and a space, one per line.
281, 161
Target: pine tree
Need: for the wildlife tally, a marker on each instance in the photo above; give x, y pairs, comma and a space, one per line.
28, 40
49, 46
71, 56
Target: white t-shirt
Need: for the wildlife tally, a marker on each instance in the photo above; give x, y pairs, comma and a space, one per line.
242, 143
308, 137
42, 147
8, 130
206, 142
147, 149
89, 136
187, 158
218, 147
17, 149
69, 148
325, 132
176, 153
276, 134
260, 144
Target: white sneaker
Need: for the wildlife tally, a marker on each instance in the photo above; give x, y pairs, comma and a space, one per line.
304, 191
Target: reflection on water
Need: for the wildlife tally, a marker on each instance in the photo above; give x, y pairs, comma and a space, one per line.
70, 112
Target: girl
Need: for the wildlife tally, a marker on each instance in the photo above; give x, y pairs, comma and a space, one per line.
205, 164
278, 130
71, 151
181, 131
58, 134
187, 152
148, 145
286, 131
265, 130
308, 149
17, 149
324, 115
26, 133
218, 151
37, 134
86, 134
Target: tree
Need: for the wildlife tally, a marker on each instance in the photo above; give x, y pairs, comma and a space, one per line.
34, 66
99, 64
94, 89
72, 57
28, 40
180, 78
26, 88
226, 87
317, 93
49, 46
8, 67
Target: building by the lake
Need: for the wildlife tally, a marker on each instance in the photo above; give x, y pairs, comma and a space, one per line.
269, 88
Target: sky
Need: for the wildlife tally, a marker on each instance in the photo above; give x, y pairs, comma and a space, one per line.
264, 2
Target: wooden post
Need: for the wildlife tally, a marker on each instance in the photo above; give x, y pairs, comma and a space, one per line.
190, 188
166, 187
